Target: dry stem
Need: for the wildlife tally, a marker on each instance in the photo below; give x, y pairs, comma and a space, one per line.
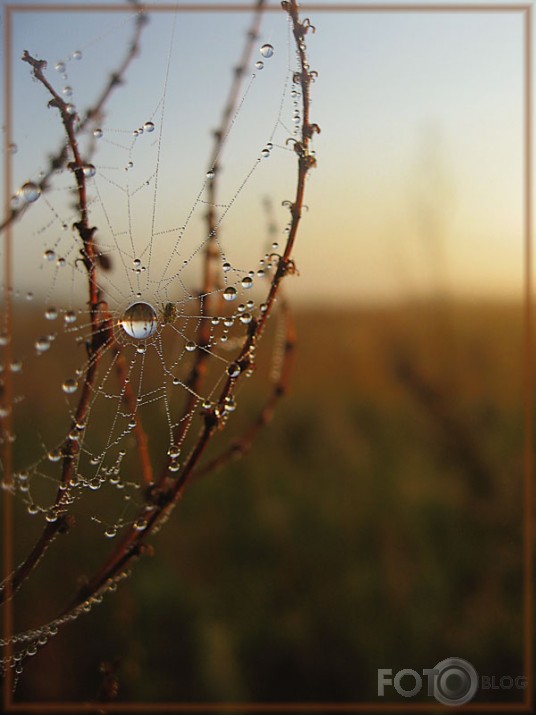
161, 499
115, 79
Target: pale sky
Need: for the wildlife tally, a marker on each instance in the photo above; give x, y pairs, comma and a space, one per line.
419, 183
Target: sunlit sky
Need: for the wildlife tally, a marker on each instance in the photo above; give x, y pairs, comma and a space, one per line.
419, 184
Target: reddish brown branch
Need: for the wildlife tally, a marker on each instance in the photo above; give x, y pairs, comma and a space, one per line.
13, 583
242, 445
116, 78
162, 498
142, 442
100, 332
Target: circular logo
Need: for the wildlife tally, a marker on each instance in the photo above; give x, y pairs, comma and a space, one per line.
456, 681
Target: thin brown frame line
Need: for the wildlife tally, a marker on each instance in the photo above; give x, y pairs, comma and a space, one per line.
307, 7
7, 620
287, 707
528, 487
375, 706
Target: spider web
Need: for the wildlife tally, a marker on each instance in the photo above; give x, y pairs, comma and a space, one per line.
148, 181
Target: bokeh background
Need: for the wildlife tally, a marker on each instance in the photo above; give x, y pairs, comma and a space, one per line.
377, 522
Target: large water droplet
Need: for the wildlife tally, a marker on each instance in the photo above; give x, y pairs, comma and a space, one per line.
60, 66
229, 293
51, 313
67, 91
70, 316
247, 282
148, 127
89, 170
97, 133
49, 255
139, 321
77, 55
267, 50
259, 64
190, 346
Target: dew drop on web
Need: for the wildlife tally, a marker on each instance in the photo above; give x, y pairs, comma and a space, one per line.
267, 50
89, 170
139, 321
229, 293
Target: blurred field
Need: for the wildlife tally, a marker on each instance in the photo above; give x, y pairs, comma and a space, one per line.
376, 523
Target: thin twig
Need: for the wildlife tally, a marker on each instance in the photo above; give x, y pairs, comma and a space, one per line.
161, 500
211, 267
116, 78
98, 343
242, 445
